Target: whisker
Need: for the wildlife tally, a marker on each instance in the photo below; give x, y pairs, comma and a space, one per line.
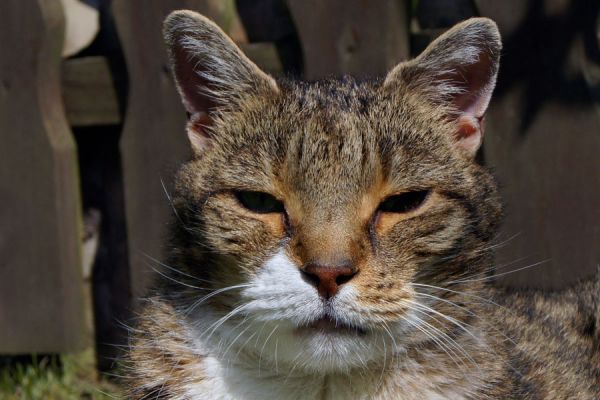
446, 337
446, 317
493, 269
432, 337
465, 309
212, 294
263, 346
170, 201
501, 274
276, 362
383, 367
502, 243
237, 337
217, 324
485, 300
170, 278
162, 264
245, 344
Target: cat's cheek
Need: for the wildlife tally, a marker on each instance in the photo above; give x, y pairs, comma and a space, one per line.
231, 232
243, 242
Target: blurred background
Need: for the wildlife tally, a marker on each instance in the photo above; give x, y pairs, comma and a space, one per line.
92, 130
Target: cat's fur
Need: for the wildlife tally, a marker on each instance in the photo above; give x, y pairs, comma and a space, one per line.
236, 318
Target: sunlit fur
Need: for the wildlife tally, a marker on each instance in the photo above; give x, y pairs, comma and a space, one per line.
233, 316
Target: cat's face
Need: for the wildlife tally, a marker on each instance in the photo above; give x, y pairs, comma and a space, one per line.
316, 214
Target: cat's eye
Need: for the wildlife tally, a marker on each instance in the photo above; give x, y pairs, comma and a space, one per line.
404, 202
259, 202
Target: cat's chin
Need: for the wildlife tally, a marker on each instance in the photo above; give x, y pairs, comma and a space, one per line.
329, 326
325, 346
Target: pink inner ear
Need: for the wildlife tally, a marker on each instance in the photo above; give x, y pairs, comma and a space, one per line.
191, 85
196, 99
198, 130
477, 83
469, 133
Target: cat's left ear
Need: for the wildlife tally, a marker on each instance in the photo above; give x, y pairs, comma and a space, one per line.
457, 70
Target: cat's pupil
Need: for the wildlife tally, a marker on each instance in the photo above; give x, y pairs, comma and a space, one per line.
404, 202
259, 202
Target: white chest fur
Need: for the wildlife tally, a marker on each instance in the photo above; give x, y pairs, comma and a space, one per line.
241, 383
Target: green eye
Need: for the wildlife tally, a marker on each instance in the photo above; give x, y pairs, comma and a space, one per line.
404, 202
259, 202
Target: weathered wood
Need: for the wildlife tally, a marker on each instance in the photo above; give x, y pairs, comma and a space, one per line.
351, 37
265, 56
543, 141
89, 93
153, 144
41, 295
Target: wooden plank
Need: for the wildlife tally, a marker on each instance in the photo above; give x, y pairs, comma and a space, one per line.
89, 93
153, 143
542, 140
265, 56
353, 37
41, 295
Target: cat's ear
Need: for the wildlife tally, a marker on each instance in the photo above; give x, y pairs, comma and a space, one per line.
211, 72
457, 70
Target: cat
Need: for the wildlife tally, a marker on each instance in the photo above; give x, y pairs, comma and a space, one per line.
333, 240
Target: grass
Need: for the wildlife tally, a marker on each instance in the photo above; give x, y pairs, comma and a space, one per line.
66, 377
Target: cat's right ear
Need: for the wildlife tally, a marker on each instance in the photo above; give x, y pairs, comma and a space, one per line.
211, 72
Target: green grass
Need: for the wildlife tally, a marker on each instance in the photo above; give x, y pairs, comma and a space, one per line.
53, 378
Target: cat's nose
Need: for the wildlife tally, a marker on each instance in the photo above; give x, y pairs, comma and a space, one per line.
328, 279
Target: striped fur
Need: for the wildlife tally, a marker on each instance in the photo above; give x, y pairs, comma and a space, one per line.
234, 315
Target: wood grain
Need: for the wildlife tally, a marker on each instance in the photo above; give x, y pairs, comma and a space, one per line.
41, 294
154, 143
88, 92
543, 141
351, 37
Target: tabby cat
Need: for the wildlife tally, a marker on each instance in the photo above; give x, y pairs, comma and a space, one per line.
333, 240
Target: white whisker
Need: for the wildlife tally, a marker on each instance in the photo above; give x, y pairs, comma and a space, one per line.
501, 274
212, 294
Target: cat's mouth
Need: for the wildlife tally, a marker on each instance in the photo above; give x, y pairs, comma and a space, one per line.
329, 325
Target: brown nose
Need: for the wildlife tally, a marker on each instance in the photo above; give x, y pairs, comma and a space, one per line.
328, 279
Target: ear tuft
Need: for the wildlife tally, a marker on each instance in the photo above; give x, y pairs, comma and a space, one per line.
211, 72
457, 70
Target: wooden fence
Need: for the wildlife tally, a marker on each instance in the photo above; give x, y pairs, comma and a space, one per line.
542, 138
